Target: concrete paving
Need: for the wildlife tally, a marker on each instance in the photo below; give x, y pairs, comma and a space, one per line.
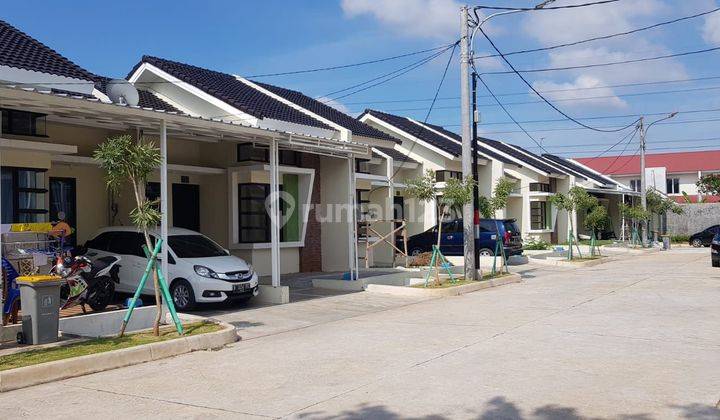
632, 339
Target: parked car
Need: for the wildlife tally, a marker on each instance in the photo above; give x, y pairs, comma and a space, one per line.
199, 270
715, 250
704, 237
452, 242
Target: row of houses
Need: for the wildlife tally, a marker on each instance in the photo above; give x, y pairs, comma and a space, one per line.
230, 143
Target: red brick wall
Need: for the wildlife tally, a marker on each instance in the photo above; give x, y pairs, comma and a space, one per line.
311, 253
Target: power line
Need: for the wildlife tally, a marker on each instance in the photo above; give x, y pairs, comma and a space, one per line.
569, 6
587, 66
392, 75
673, 148
634, 133
696, 79
611, 126
345, 66
607, 168
603, 37
586, 98
569, 146
430, 109
506, 110
603, 117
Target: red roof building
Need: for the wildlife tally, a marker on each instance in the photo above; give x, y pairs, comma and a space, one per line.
680, 169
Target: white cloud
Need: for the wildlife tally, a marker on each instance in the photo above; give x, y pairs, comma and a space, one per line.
413, 18
711, 29
578, 24
608, 100
335, 104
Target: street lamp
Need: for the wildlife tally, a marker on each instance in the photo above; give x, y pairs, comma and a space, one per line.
643, 181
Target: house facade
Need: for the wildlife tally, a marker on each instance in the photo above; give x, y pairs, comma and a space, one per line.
537, 177
674, 174
228, 142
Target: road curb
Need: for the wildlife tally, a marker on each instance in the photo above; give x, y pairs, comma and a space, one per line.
450, 291
92, 363
573, 264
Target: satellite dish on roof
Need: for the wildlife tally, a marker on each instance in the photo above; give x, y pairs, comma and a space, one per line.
122, 92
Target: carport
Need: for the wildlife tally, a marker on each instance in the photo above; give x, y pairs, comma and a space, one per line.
85, 111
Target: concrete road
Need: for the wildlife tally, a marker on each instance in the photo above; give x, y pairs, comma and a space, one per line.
631, 339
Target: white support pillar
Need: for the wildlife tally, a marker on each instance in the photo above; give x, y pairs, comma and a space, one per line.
352, 222
274, 214
164, 200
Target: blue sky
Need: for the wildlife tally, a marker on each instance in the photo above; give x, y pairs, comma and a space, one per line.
253, 37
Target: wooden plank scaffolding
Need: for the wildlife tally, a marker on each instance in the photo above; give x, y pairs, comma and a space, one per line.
388, 238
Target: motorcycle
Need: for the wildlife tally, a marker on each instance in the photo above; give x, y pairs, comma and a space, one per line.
87, 283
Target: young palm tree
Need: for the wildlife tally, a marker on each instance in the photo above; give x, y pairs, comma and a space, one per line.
125, 159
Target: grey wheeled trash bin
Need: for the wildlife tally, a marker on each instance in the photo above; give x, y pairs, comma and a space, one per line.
40, 300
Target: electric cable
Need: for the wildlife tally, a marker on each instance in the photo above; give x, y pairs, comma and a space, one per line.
587, 66
603, 37
388, 76
569, 6
345, 66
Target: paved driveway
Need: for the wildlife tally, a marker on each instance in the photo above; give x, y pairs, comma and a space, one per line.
633, 339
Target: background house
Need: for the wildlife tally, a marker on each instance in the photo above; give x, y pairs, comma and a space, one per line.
670, 173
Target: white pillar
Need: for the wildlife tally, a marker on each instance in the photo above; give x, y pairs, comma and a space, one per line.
352, 222
274, 214
164, 200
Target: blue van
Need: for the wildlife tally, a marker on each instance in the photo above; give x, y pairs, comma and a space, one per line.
452, 238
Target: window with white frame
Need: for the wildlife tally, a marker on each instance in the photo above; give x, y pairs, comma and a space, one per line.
635, 185
673, 185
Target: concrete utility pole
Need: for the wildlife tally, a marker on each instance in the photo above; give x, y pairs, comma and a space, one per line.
467, 170
643, 181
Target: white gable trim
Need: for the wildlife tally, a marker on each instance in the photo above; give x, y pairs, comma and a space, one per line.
231, 110
345, 134
391, 127
517, 161
612, 181
545, 161
439, 133
46, 80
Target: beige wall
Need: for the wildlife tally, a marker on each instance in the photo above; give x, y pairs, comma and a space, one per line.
334, 198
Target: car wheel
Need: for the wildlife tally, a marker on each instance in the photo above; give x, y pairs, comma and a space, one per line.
486, 252
697, 243
183, 295
416, 251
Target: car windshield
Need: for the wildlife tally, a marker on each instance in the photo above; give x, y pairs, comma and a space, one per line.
195, 246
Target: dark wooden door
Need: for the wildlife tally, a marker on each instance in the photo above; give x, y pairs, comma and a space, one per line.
186, 206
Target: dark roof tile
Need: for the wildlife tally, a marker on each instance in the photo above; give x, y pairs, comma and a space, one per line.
313, 105
19, 50
232, 91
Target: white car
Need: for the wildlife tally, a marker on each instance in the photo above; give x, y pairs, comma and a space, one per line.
199, 270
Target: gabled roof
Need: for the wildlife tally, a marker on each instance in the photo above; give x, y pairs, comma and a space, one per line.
397, 155
232, 91
524, 156
147, 99
19, 50
678, 162
581, 169
432, 134
313, 105
417, 130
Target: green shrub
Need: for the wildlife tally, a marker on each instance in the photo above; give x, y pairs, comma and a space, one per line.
680, 239
536, 244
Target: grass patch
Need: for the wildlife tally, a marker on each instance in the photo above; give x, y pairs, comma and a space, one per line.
598, 242
459, 281
582, 259
100, 345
